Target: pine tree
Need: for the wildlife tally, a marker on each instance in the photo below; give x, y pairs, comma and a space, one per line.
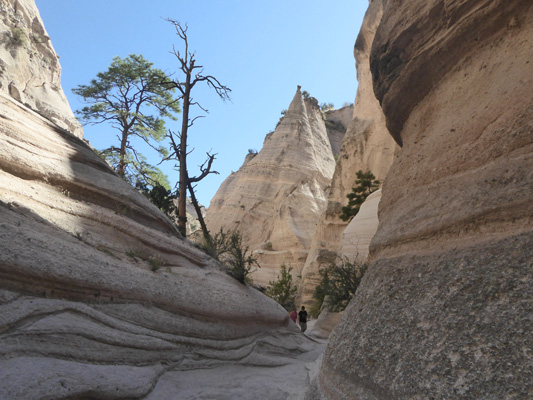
366, 184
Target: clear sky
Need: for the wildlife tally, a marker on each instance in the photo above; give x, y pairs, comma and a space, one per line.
261, 50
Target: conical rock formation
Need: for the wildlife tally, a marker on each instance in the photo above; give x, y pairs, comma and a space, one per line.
99, 296
277, 195
367, 146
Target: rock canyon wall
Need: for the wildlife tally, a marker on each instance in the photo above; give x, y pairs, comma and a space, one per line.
99, 296
278, 194
367, 146
444, 309
269, 200
29, 67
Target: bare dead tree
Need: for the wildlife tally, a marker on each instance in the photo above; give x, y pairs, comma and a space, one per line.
190, 75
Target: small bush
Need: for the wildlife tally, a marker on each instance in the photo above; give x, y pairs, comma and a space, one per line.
327, 107
282, 290
239, 259
338, 284
153, 261
227, 247
37, 38
18, 37
161, 197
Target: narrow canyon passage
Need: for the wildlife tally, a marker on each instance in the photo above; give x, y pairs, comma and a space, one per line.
288, 378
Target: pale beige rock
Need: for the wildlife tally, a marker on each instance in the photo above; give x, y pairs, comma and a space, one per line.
361, 229
277, 195
99, 296
94, 280
325, 324
443, 310
337, 121
29, 67
367, 146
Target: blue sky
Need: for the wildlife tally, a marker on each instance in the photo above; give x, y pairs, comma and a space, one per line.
261, 50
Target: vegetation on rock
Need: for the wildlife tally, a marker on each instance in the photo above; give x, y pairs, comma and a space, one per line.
227, 247
338, 285
130, 97
18, 37
366, 183
161, 197
326, 107
283, 290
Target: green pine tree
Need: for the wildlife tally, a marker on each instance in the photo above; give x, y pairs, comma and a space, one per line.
366, 183
283, 290
130, 97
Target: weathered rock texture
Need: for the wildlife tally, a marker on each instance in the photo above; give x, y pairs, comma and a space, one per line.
94, 281
445, 309
99, 297
278, 194
29, 67
337, 121
356, 237
366, 146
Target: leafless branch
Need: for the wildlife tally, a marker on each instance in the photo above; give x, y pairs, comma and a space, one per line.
205, 170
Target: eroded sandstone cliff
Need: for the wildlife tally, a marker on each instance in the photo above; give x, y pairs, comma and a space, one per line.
367, 146
29, 67
99, 296
278, 194
444, 310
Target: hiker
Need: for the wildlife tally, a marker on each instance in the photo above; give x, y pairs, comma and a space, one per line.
293, 315
302, 318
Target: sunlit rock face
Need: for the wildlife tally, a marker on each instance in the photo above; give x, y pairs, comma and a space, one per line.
356, 237
99, 296
443, 311
278, 194
29, 67
367, 146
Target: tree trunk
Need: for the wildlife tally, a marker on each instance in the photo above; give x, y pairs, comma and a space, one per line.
199, 214
122, 154
184, 177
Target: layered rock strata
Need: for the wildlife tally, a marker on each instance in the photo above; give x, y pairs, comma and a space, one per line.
94, 281
367, 146
278, 194
99, 296
443, 311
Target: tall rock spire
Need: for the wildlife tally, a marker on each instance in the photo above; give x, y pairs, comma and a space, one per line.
278, 194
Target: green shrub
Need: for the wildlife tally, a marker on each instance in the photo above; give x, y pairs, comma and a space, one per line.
18, 37
282, 290
327, 107
153, 261
239, 259
338, 284
227, 247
